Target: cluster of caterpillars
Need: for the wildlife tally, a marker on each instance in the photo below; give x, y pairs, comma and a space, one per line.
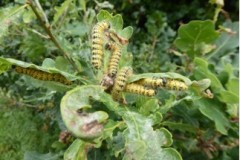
146, 86
41, 75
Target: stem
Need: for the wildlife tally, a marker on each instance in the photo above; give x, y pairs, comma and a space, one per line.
154, 41
217, 11
47, 29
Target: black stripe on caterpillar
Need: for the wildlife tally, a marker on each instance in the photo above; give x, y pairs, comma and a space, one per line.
120, 82
98, 42
139, 89
167, 83
114, 59
41, 75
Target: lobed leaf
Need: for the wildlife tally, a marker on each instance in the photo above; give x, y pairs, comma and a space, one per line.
142, 142
194, 36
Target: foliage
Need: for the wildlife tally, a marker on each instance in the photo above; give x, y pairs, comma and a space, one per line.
55, 38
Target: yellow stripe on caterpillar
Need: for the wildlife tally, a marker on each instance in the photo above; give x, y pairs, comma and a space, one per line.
120, 82
97, 43
167, 83
41, 75
151, 82
114, 59
173, 84
139, 89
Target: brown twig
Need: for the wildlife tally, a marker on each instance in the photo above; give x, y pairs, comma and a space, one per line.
47, 29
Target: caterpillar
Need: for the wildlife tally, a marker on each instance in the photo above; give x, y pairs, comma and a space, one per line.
98, 42
116, 38
41, 75
115, 58
173, 84
167, 83
139, 89
120, 81
151, 82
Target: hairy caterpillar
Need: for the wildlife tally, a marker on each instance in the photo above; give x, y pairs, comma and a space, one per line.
116, 38
97, 43
115, 58
174, 84
171, 84
44, 76
139, 89
120, 81
151, 82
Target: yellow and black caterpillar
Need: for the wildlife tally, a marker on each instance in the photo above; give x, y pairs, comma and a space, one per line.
41, 75
173, 84
139, 89
97, 43
120, 81
115, 58
167, 83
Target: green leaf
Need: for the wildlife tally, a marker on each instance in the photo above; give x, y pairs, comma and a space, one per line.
9, 16
202, 84
126, 32
201, 70
82, 4
38, 156
160, 75
48, 63
103, 15
77, 151
61, 10
4, 65
229, 97
28, 16
75, 110
117, 22
192, 37
140, 138
226, 42
210, 110
233, 86
149, 106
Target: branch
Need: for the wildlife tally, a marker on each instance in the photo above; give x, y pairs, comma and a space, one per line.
47, 29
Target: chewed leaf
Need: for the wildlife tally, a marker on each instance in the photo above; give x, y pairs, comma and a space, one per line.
103, 15
74, 109
140, 137
117, 22
82, 124
160, 75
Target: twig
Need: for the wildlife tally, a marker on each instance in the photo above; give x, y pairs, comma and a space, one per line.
47, 29
40, 34
44, 15
155, 40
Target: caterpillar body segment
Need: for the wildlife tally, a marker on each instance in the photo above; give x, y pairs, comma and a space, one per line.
167, 83
152, 82
114, 59
44, 76
120, 82
98, 42
173, 84
139, 89
101, 27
